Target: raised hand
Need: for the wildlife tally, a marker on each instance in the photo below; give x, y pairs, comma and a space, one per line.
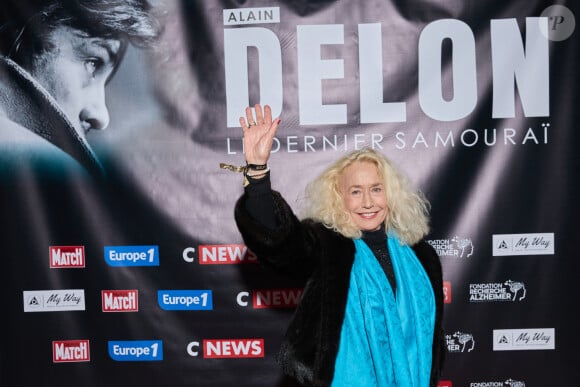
258, 134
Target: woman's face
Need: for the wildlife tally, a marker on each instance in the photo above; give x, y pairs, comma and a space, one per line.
364, 195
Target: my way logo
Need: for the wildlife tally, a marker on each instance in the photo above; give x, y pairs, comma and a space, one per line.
53, 300
460, 342
120, 300
497, 291
185, 299
456, 247
132, 255
63, 257
136, 350
524, 339
70, 351
523, 244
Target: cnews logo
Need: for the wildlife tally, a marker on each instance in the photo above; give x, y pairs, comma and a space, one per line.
228, 348
132, 255
62, 257
70, 351
185, 299
271, 298
136, 350
225, 255
120, 300
53, 300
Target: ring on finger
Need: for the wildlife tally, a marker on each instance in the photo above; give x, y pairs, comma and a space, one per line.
251, 123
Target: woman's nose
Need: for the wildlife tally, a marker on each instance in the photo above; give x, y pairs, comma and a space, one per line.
367, 201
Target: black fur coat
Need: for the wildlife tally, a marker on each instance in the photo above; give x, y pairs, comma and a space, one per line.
323, 259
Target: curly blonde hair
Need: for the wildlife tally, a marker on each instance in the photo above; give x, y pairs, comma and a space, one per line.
407, 208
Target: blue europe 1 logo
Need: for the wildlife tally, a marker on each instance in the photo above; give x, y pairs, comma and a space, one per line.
136, 350
132, 255
185, 299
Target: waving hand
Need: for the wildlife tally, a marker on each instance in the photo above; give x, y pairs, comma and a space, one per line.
258, 134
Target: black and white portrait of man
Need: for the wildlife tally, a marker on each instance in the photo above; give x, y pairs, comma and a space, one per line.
56, 58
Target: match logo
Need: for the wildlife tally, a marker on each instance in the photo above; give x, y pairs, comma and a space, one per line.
120, 300
70, 351
64, 257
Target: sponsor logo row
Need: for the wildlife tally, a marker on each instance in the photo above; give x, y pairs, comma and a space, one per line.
521, 339
72, 351
65, 257
502, 245
65, 351
506, 383
231, 254
127, 300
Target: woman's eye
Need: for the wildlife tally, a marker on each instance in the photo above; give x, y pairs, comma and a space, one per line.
377, 190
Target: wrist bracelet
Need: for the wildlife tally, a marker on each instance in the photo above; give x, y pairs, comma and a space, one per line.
262, 168
259, 173
257, 167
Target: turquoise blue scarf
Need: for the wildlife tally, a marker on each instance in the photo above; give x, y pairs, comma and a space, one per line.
385, 341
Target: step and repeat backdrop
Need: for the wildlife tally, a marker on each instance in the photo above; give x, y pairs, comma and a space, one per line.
121, 261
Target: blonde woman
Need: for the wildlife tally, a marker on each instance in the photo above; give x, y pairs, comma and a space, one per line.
371, 309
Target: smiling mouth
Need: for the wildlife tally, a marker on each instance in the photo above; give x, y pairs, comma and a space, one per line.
368, 215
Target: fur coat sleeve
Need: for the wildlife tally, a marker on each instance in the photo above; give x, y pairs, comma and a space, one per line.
322, 258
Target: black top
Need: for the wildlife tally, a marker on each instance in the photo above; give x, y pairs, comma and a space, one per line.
376, 240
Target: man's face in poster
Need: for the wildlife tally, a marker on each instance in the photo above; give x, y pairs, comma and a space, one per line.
75, 70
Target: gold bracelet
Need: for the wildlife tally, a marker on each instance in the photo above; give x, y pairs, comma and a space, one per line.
232, 168
263, 169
